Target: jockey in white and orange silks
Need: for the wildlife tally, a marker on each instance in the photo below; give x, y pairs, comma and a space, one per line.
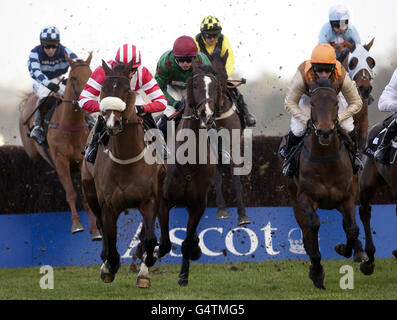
323, 64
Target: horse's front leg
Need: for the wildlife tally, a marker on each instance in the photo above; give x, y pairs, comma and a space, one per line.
148, 242
109, 255
62, 166
309, 223
352, 231
190, 246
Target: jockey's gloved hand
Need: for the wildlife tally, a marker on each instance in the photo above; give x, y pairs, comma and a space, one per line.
139, 110
53, 87
180, 106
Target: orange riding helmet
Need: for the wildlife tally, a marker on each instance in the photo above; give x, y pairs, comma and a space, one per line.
323, 53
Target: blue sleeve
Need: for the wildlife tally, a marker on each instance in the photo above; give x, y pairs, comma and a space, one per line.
35, 69
70, 53
325, 35
354, 34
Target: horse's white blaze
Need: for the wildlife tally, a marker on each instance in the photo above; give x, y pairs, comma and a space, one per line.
110, 121
208, 111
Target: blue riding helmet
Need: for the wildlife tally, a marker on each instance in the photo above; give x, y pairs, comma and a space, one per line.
50, 33
338, 12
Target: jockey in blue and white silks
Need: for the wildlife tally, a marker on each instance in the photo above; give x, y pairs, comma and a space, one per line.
338, 29
46, 64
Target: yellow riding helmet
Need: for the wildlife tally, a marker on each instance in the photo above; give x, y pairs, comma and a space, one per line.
210, 23
323, 53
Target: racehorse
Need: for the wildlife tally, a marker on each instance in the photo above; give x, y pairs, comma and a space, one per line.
373, 176
67, 133
325, 180
187, 184
359, 64
121, 178
229, 120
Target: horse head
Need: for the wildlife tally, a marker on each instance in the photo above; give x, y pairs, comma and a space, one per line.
324, 111
79, 74
360, 65
117, 99
203, 94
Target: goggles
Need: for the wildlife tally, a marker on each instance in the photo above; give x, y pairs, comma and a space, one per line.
184, 59
326, 67
50, 46
342, 24
211, 35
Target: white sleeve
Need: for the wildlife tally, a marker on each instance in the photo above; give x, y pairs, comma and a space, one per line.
388, 98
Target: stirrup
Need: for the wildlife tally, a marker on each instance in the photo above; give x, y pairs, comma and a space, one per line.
90, 153
37, 134
287, 171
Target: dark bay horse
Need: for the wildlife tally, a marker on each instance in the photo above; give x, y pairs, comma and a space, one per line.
325, 181
187, 184
359, 64
66, 137
229, 120
121, 178
373, 176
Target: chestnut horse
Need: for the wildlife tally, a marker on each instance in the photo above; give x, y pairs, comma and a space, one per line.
325, 181
187, 184
359, 64
121, 178
67, 133
229, 120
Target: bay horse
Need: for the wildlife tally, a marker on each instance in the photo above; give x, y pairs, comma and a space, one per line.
373, 176
360, 66
227, 119
187, 184
121, 178
325, 181
67, 133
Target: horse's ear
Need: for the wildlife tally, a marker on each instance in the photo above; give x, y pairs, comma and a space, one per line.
189, 91
88, 60
195, 67
129, 67
353, 63
369, 45
106, 67
225, 56
68, 59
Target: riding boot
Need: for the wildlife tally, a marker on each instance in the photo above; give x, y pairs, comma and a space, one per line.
381, 154
92, 147
162, 125
357, 163
248, 117
37, 132
286, 151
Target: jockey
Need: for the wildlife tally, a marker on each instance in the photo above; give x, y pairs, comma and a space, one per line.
173, 69
141, 80
46, 64
337, 30
210, 39
323, 64
388, 103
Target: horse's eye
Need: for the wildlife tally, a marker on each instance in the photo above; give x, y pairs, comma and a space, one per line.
312, 104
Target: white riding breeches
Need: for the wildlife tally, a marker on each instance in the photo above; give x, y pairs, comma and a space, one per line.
298, 128
42, 91
178, 94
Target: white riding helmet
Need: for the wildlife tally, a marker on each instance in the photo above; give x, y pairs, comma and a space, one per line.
338, 12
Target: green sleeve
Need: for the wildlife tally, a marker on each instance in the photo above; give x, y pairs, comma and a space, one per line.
162, 77
204, 59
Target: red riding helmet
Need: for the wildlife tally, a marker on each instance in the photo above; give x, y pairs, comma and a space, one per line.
128, 52
184, 47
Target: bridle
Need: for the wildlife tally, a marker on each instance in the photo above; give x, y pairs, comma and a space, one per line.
195, 115
72, 81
